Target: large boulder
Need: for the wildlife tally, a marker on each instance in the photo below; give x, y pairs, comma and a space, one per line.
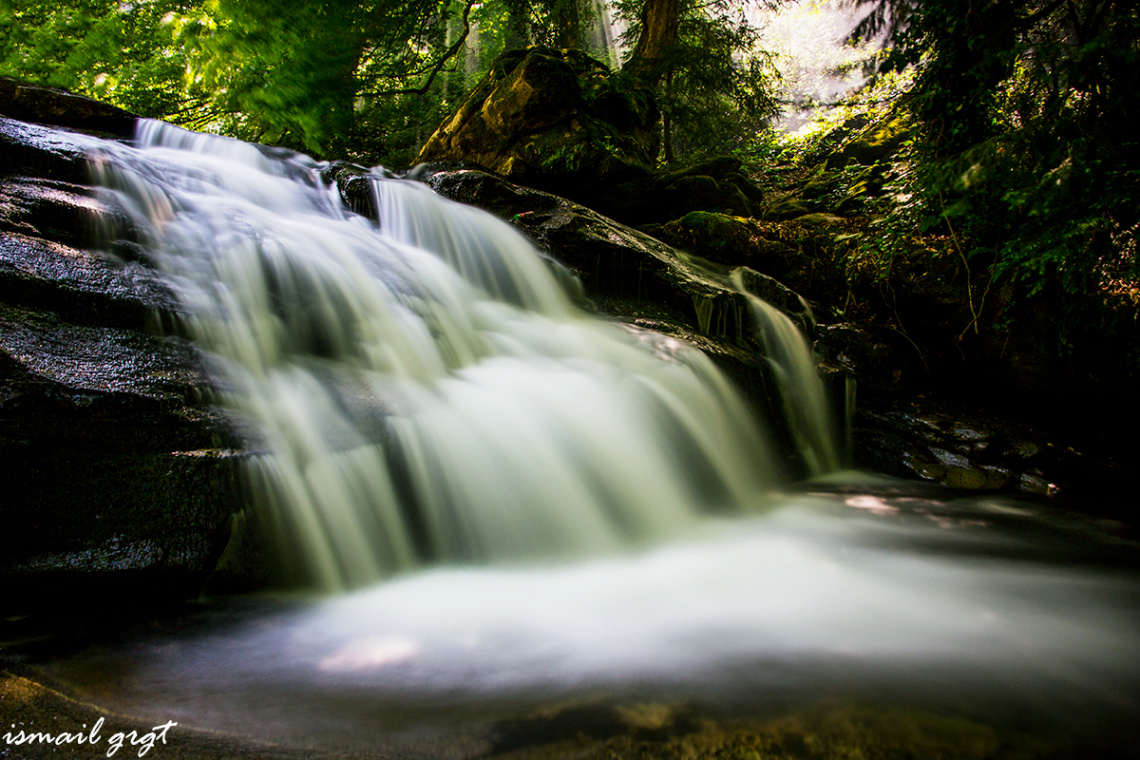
120, 475
46, 105
560, 121
545, 116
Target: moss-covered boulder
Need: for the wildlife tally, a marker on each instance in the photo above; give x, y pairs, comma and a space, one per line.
544, 116
876, 142
801, 253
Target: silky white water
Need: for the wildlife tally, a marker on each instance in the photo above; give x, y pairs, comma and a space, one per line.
984, 608
424, 390
596, 502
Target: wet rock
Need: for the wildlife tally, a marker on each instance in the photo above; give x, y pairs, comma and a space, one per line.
83, 286
46, 105
353, 185
122, 480
951, 444
618, 263
121, 474
31, 150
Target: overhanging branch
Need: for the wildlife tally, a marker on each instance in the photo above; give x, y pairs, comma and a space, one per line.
436, 67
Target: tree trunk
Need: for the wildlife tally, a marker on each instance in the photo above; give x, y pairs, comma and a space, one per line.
567, 19
659, 21
518, 28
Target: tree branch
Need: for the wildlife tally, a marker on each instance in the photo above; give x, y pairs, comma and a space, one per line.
1029, 21
438, 65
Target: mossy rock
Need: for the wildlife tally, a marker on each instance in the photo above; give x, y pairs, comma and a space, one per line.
789, 208
875, 143
548, 116
803, 256
715, 185
670, 732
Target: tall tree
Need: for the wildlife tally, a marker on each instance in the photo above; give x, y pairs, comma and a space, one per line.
714, 87
657, 37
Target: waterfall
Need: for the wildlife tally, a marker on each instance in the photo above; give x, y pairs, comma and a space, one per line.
422, 389
798, 383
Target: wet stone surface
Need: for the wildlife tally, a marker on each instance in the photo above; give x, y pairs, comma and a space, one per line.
121, 474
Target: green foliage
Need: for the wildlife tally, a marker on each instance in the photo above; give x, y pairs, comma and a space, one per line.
366, 79
1024, 148
716, 89
281, 72
303, 72
131, 55
299, 73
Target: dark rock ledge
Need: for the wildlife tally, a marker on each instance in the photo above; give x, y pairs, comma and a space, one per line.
119, 475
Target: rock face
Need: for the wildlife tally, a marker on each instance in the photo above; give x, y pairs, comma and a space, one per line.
119, 475
550, 116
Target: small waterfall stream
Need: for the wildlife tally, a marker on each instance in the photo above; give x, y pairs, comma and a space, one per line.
529, 506
425, 390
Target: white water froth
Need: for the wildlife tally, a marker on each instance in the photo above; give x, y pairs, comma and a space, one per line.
422, 396
860, 596
424, 391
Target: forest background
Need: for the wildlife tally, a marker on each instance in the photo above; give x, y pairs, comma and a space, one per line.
1011, 123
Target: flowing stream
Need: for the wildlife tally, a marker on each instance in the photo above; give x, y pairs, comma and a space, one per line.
521, 502
424, 390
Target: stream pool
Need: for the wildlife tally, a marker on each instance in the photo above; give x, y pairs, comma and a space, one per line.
1001, 615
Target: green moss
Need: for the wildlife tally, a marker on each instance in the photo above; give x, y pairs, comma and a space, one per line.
664, 732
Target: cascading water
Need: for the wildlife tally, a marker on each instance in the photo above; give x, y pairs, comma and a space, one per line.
425, 390
797, 383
